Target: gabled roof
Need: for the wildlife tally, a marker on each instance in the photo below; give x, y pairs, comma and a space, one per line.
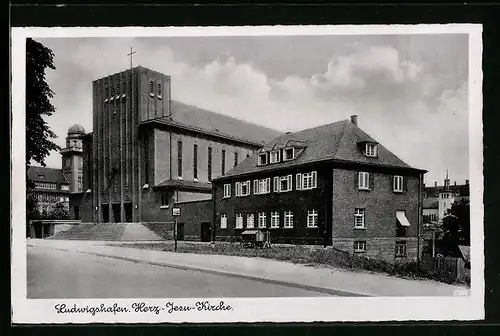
44, 174
203, 121
337, 142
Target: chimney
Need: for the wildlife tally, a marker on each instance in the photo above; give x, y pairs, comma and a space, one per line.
455, 183
467, 182
354, 119
435, 183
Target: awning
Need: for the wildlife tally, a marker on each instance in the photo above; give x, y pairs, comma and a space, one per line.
402, 218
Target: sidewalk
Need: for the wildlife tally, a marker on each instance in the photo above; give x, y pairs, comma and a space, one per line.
320, 279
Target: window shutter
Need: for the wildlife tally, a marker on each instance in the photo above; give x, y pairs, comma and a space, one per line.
237, 189
256, 187
276, 184
314, 179
356, 180
298, 182
289, 178
394, 183
371, 179
268, 185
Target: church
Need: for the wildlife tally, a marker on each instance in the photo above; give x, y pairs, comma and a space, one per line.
147, 151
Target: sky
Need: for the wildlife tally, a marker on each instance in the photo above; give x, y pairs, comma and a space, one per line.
409, 91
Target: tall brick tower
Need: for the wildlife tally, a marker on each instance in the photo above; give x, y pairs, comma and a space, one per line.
120, 102
72, 158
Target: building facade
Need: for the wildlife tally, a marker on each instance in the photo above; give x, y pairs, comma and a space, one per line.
49, 187
330, 185
147, 151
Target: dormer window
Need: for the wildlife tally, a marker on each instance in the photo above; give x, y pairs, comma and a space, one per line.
371, 149
288, 154
275, 156
262, 159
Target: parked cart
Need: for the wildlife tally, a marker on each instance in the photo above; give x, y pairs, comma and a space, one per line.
252, 238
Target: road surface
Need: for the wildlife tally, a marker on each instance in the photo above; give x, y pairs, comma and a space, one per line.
53, 273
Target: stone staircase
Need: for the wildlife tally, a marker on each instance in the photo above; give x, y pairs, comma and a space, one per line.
108, 232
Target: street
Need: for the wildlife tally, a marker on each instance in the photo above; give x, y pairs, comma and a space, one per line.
53, 273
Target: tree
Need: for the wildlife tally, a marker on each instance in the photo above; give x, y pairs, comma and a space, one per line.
59, 211
38, 94
456, 225
38, 133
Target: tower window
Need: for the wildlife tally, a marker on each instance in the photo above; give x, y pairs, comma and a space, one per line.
223, 162
159, 90
151, 89
195, 161
179, 158
209, 164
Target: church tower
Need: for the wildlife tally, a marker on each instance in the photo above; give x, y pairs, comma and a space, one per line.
72, 158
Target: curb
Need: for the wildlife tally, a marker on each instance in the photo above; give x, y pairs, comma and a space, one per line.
228, 274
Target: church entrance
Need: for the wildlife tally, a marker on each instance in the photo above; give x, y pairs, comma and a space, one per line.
116, 212
105, 213
76, 210
206, 232
128, 212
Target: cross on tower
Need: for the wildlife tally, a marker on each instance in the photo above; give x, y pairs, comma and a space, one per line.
130, 54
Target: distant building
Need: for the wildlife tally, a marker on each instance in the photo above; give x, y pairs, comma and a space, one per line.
329, 185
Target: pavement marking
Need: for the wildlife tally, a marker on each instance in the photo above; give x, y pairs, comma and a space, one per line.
234, 275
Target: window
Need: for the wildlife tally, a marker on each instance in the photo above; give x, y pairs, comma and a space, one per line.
195, 161
65, 187
288, 222
223, 162
45, 185
262, 159
401, 248
250, 221
265, 186
179, 158
235, 159
164, 199
106, 92
285, 183
239, 221
117, 89
308, 181
159, 91
227, 190
312, 218
112, 91
209, 164
275, 219
359, 218
262, 220
151, 88
364, 181
289, 154
255, 187
360, 246
223, 221
371, 150
244, 188
397, 183
275, 157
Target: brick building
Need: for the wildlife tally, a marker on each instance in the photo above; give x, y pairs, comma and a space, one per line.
49, 186
146, 150
329, 185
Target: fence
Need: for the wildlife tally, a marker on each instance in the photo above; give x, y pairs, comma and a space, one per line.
454, 267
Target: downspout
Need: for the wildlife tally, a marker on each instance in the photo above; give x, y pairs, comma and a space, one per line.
419, 218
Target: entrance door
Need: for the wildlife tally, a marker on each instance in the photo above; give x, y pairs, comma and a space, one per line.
180, 231
128, 212
76, 209
105, 213
116, 212
206, 232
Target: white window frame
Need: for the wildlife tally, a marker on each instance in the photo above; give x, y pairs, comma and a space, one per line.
247, 185
262, 220
371, 149
274, 156
250, 223
397, 183
312, 218
308, 181
275, 219
276, 184
285, 151
238, 222
359, 246
265, 186
259, 158
298, 181
227, 191
287, 178
223, 221
397, 246
288, 219
359, 213
363, 181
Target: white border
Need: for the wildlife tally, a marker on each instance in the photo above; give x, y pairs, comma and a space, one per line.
253, 310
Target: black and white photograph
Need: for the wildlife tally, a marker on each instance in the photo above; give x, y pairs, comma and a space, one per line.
243, 174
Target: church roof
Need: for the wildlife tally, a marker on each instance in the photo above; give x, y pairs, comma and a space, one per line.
338, 141
44, 174
216, 124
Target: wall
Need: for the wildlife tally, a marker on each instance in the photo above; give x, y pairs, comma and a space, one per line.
193, 214
381, 248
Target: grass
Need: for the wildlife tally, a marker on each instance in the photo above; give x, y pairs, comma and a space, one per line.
308, 255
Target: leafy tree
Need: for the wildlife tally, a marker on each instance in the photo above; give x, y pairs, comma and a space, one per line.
456, 225
38, 94
59, 211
